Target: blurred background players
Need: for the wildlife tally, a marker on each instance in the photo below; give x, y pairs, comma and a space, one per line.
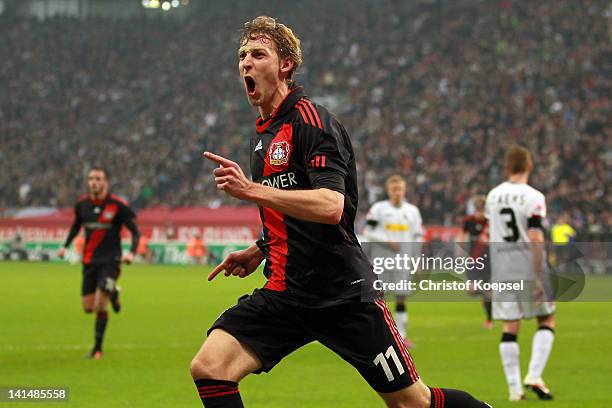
475, 236
516, 212
16, 249
196, 249
395, 226
562, 233
144, 250
102, 215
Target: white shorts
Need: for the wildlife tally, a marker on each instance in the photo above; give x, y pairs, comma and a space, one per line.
521, 310
521, 304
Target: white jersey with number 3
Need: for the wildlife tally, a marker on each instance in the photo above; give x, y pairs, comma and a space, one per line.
509, 207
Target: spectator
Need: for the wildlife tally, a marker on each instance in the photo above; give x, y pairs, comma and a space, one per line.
196, 249
435, 91
144, 250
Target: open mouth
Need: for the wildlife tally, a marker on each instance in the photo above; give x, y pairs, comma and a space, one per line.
250, 85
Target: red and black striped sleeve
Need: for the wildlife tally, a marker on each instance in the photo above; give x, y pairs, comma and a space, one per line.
75, 227
128, 218
322, 147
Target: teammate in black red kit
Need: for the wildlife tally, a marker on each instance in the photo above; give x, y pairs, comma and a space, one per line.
305, 184
102, 215
475, 234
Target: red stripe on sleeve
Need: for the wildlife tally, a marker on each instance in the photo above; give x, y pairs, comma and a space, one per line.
317, 161
304, 116
316, 115
308, 111
121, 200
323, 161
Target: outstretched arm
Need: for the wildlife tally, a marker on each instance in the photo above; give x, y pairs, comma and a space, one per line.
74, 231
133, 228
320, 205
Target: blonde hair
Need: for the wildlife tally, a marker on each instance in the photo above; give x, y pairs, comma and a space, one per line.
479, 201
287, 44
395, 178
517, 160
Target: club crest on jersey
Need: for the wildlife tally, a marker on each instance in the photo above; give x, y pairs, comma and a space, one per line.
279, 153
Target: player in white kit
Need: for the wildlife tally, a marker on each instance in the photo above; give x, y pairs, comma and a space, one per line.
398, 228
515, 212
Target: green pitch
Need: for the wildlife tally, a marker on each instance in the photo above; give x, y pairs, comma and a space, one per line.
44, 336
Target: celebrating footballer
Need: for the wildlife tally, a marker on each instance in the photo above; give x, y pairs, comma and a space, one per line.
304, 181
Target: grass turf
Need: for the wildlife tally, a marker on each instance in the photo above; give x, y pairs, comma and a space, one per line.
44, 337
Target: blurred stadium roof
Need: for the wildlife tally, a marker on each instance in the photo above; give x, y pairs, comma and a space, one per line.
100, 8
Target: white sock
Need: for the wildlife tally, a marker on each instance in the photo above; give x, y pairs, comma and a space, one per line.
510, 353
540, 350
401, 320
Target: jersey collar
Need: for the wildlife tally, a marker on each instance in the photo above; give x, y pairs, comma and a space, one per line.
283, 108
100, 201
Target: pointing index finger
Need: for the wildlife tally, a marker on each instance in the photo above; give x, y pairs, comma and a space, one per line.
216, 271
219, 159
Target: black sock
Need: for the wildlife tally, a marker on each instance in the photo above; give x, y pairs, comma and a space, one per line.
400, 307
101, 320
219, 393
487, 307
449, 398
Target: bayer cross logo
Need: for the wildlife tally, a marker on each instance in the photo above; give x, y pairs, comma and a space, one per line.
279, 153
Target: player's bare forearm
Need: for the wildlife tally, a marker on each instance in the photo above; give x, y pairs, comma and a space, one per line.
320, 205
536, 238
255, 253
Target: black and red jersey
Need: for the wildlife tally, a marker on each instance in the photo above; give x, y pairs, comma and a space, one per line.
476, 228
102, 220
303, 147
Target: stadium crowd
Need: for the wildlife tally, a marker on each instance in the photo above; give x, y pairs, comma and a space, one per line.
434, 91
